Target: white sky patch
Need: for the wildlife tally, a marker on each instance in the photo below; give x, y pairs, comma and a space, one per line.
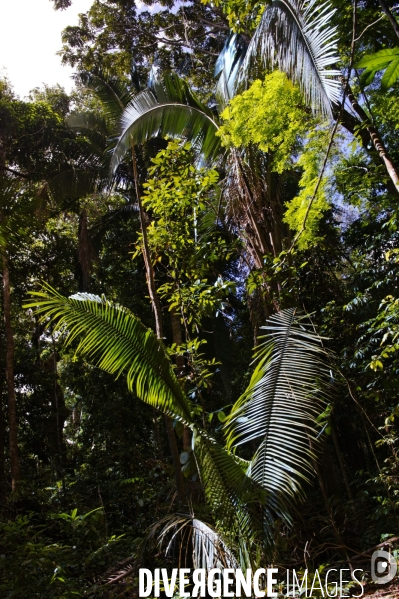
157, 7
30, 36
142, 7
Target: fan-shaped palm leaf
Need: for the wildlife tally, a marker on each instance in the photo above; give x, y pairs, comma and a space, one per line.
279, 408
170, 110
295, 36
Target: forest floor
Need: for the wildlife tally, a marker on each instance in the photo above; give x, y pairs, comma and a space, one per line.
386, 592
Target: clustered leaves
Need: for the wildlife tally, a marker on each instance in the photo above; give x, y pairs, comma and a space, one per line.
238, 207
272, 115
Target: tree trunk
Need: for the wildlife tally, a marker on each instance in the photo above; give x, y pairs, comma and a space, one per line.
341, 461
159, 330
392, 20
375, 138
181, 494
87, 254
178, 339
2, 450
12, 406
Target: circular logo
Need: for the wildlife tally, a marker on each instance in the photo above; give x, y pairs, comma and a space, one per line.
383, 567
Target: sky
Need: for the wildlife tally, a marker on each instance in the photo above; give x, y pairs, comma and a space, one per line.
30, 36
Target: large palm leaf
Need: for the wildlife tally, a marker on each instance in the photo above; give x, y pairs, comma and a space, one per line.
169, 109
227, 68
278, 410
295, 36
113, 92
118, 342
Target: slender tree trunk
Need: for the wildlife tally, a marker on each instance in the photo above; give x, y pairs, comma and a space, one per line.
392, 20
147, 255
58, 417
159, 330
341, 461
375, 138
181, 494
178, 339
12, 405
2, 455
87, 254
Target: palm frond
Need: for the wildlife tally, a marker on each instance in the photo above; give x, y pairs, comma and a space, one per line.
209, 549
234, 498
172, 533
295, 36
118, 342
227, 68
279, 409
72, 183
171, 110
113, 92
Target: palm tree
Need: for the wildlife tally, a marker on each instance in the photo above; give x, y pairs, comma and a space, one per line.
277, 412
294, 36
255, 196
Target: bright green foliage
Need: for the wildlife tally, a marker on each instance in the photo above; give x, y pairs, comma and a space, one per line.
242, 15
187, 247
385, 60
177, 194
270, 114
183, 239
305, 205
